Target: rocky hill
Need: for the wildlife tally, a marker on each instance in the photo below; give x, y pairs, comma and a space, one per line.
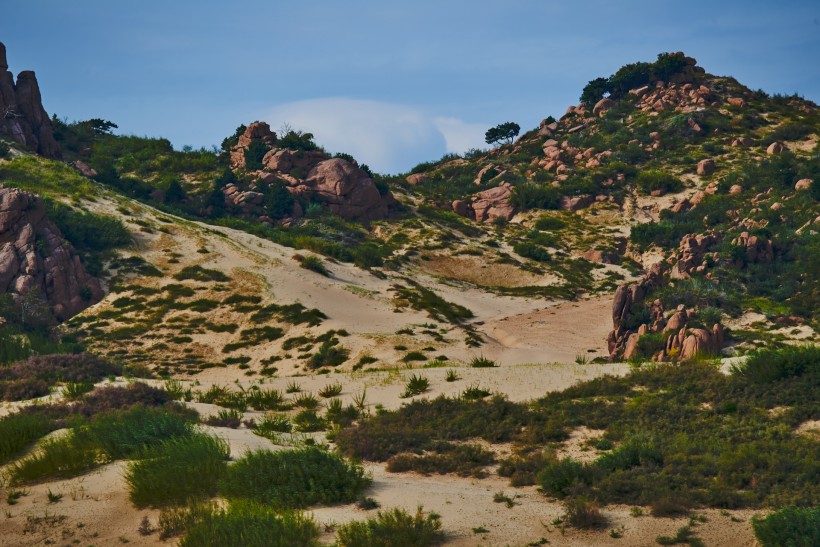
22, 116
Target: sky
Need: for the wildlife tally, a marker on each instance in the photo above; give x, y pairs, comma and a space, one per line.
393, 83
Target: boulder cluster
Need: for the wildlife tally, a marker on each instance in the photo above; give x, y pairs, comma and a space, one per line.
37, 265
339, 185
682, 342
22, 116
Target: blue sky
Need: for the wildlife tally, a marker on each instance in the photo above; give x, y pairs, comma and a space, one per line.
392, 83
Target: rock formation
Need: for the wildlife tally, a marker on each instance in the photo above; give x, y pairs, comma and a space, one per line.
22, 116
487, 205
36, 262
310, 176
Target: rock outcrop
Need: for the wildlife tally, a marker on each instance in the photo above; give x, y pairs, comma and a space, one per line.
487, 205
22, 116
36, 263
309, 175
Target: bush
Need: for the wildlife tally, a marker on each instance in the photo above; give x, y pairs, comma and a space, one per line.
107, 398
35, 376
584, 513
395, 528
18, 431
177, 470
62, 457
245, 524
294, 479
772, 365
198, 273
789, 527
416, 385
532, 251
533, 196
314, 264
560, 476
650, 181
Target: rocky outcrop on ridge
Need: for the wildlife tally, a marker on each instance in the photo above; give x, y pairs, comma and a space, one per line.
22, 116
37, 263
310, 176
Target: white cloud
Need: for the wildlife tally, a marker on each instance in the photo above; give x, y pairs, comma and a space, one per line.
390, 138
460, 135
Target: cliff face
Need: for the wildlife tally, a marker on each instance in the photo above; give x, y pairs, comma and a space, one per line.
22, 116
36, 260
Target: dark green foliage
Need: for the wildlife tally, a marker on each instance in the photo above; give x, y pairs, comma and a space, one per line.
771, 365
650, 181
594, 91
535, 196
482, 362
88, 232
789, 527
560, 476
423, 299
463, 459
278, 202
314, 264
175, 193
549, 224
18, 431
122, 434
330, 354
61, 457
532, 251
297, 140
245, 524
254, 153
395, 528
794, 131
505, 132
294, 479
198, 273
416, 385
177, 470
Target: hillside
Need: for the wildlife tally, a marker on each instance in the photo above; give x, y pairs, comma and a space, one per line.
482, 333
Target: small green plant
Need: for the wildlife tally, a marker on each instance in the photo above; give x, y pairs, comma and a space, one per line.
501, 497
482, 362
584, 513
75, 390
452, 376
331, 390
307, 401
414, 356
52, 497
226, 417
271, 424
293, 387
394, 527
15, 495
314, 264
480, 530
473, 393
416, 385
367, 504
581, 359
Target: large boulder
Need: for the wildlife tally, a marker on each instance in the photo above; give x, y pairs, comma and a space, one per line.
346, 190
37, 263
493, 203
284, 160
22, 116
706, 167
602, 106
256, 131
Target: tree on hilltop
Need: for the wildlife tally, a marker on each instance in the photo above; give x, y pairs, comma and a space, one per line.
505, 132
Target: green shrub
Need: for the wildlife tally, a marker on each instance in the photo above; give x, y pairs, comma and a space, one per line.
62, 457
560, 476
177, 470
789, 527
650, 181
482, 362
392, 528
533, 196
18, 431
771, 365
549, 224
294, 479
416, 385
122, 434
463, 459
314, 264
245, 524
532, 251
330, 354
198, 273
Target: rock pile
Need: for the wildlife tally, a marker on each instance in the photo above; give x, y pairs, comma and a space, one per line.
487, 205
22, 116
310, 176
36, 262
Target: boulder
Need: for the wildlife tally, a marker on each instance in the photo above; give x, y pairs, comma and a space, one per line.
346, 190
735, 189
22, 116
577, 202
416, 178
285, 160
37, 263
706, 167
84, 169
462, 208
493, 203
742, 142
803, 184
736, 101
775, 148
602, 106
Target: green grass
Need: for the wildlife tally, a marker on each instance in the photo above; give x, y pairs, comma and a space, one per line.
770, 365
46, 177
294, 479
423, 299
314, 264
331, 390
123, 434
482, 362
198, 273
62, 457
245, 524
395, 528
18, 432
416, 385
177, 470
